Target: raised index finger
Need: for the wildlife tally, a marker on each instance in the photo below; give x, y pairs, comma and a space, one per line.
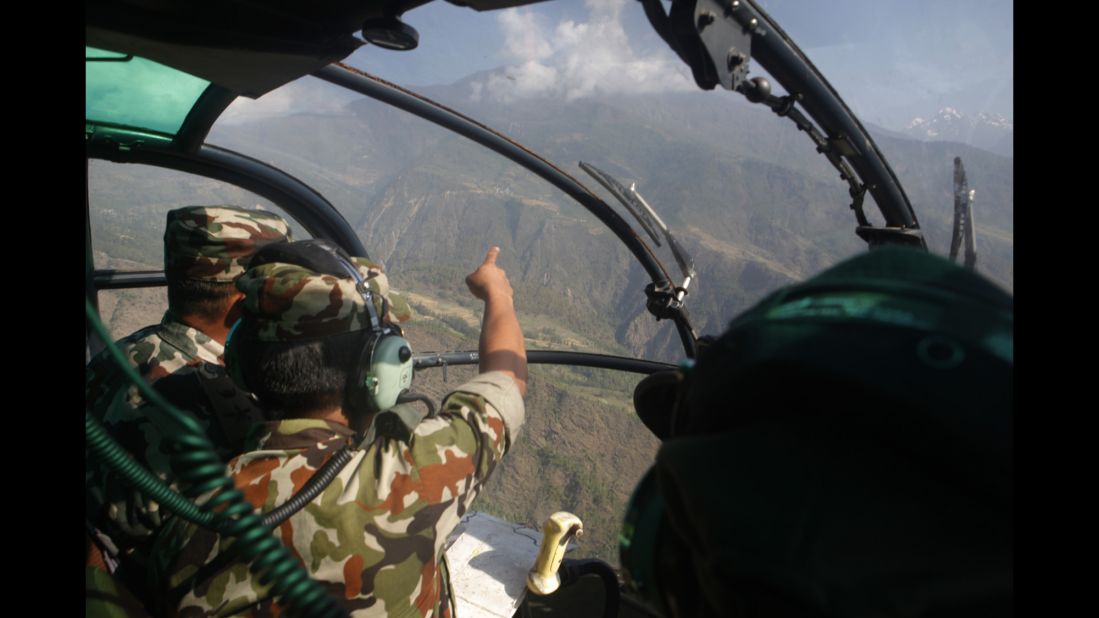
490, 257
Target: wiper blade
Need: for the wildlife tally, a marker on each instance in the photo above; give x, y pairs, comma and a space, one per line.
639, 210
648, 219
646, 216
665, 299
685, 262
963, 218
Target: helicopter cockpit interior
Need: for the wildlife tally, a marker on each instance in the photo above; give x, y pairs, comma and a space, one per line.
160, 75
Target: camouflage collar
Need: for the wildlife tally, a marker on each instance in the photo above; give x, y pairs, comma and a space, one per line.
191, 341
295, 434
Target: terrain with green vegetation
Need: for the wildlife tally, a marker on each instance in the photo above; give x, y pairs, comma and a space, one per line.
743, 190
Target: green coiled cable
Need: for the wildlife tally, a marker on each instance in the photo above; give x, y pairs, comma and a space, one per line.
111, 454
202, 473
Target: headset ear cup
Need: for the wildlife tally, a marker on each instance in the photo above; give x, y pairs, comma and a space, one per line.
232, 359
391, 364
383, 374
359, 394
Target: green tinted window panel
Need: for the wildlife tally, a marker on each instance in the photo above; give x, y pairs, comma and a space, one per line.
137, 92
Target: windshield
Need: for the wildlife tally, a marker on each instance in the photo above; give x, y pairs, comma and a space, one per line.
931, 81
743, 191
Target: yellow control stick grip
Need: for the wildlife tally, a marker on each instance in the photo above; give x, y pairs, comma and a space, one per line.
556, 533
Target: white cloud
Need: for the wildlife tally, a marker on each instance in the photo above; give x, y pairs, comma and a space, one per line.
528, 79
578, 59
523, 38
304, 95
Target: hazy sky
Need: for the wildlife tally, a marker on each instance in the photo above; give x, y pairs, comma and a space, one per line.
891, 60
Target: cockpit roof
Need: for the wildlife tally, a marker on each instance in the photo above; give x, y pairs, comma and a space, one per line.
129, 91
170, 67
249, 48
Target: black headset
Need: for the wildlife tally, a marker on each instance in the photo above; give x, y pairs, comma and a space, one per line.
384, 370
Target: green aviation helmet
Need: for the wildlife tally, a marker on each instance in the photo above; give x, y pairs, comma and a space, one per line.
844, 449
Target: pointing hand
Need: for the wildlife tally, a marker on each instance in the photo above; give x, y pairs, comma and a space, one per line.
489, 280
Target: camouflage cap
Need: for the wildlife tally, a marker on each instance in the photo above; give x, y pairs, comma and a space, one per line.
287, 302
214, 243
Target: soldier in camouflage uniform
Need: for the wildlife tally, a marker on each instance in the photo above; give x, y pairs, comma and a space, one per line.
375, 536
205, 250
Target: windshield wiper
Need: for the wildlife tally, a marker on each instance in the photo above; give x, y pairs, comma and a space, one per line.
648, 219
963, 218
622, 194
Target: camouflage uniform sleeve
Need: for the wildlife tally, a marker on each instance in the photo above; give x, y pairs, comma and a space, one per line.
418, 492
462, 444
500, 391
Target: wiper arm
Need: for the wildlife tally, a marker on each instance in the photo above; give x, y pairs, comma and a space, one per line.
963, 218
662, 299
685, 262
639, 210
645, 215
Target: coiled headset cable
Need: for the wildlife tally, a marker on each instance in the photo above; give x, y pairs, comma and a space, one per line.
202, 472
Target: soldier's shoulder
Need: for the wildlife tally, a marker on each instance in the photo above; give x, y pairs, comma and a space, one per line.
130, 346
152, 330
148, 334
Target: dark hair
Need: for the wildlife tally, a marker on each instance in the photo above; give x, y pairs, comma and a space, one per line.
209, 300
291, 379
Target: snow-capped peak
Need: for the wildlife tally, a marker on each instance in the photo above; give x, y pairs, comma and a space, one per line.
985, 130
